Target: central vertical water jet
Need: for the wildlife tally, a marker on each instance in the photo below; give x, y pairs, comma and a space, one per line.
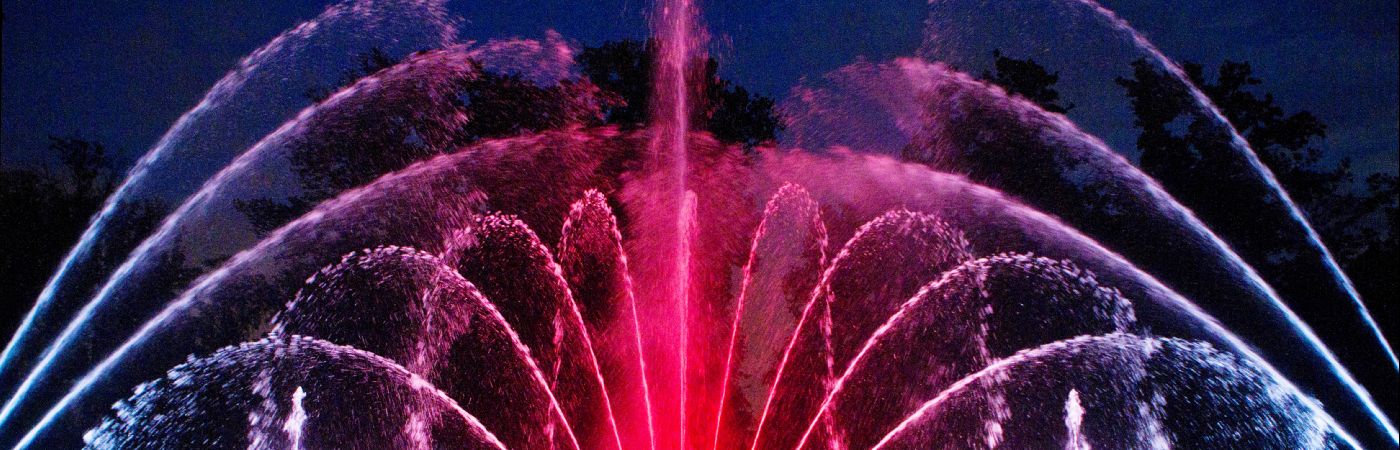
676, 47
685, 235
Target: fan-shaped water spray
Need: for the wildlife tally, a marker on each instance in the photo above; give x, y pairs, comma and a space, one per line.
291, 392
427, 283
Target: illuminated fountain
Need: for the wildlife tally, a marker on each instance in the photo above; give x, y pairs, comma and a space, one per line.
591, 287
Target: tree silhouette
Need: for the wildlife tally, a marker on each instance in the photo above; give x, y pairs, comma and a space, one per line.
1192, 157
45, 210
1026, 78
622, 68
614, 89
730, 112
344, 147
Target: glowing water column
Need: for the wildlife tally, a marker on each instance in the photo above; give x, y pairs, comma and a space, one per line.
668, 350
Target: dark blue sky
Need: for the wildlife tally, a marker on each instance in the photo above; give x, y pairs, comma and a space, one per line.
122, 72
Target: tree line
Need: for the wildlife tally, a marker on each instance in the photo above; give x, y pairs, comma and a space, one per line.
46, 209
1190, 154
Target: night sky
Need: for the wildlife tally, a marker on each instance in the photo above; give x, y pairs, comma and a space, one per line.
122, 72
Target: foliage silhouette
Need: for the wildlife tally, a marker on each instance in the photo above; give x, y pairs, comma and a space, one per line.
1192, 158
1026, 78
46, 209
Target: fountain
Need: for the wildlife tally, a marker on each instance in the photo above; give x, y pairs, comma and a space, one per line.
1013, 283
